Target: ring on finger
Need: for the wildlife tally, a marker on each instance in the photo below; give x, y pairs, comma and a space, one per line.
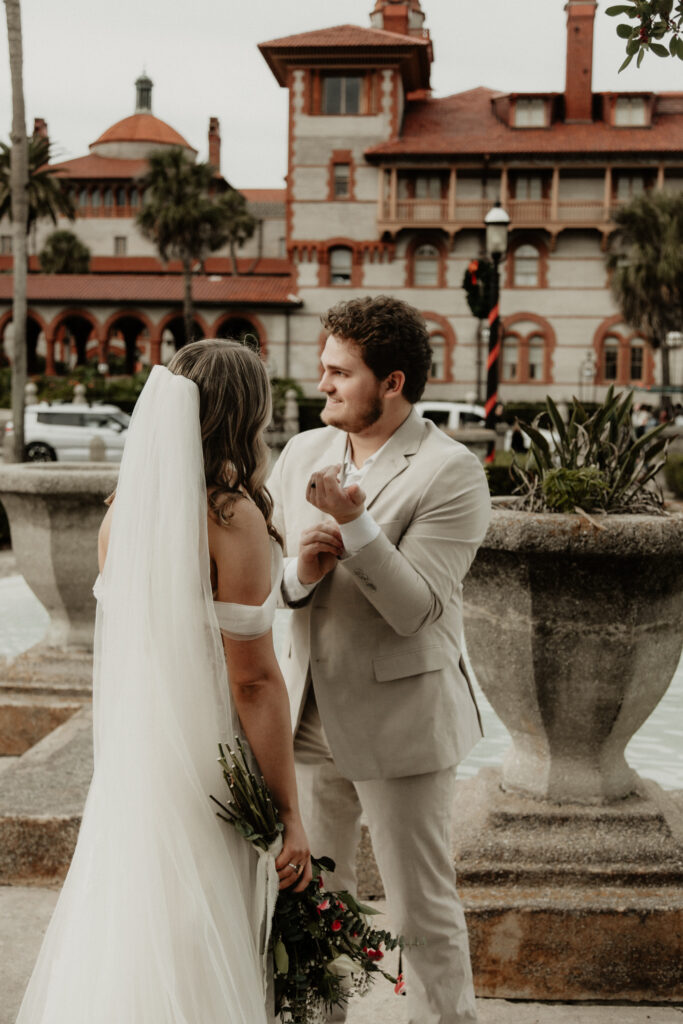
294, 867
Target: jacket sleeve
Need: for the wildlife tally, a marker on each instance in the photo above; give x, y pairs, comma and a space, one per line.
411, 584
275, 488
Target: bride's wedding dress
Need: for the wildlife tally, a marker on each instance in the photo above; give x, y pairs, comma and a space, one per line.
159, 920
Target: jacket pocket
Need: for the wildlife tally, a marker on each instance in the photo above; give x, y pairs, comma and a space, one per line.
408, 663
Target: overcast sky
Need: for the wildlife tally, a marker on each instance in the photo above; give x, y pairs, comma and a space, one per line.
81, 59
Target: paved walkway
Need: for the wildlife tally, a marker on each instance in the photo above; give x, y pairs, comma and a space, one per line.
25, 912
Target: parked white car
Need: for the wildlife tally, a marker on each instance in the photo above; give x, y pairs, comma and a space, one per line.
459, 415
65, 432
452, 415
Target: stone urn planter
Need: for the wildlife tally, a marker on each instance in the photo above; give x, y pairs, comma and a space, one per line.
574, 629
55, 511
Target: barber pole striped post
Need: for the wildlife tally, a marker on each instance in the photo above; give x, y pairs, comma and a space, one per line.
492, 363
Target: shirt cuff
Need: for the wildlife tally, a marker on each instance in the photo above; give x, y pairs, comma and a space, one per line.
292, 588
358, 533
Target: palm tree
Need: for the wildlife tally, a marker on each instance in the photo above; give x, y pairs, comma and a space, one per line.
240, 225
46, 195
64, 253
646, 264
19, 182
180, 216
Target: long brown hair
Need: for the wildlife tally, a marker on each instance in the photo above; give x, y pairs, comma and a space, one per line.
235, 407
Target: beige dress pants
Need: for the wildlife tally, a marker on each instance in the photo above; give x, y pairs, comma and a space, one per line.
410, 825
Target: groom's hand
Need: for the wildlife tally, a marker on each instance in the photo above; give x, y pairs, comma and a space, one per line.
319, 549
325, 492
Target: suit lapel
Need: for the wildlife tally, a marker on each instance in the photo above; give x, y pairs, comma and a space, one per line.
403, 443
332, 453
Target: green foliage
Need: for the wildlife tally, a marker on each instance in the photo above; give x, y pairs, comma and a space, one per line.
279, 387
239, 223
656, 26
309, 413
64, 253
646, 264
5, 387
178, 214
596, 465
320, 939
673, 473
121, 391
46, 194
499, 474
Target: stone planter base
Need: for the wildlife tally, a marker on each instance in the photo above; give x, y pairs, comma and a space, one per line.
571, 902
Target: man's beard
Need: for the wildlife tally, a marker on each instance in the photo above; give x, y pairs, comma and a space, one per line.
363, 419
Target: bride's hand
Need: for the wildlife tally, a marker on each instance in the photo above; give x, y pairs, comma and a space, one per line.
294, 862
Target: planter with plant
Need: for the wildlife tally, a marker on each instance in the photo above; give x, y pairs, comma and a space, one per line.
570, 864
574, 605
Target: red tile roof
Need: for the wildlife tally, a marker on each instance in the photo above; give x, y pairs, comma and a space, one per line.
345, 35
466, 124
152, 288
143, 128
325, 46
266, 266
264, 195
93, 166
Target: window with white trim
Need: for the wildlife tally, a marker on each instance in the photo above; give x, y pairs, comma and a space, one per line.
5, 245
120, 245
341, 94
630, 111
341, 262
342, 181
526, 264
510, 360
610, 358
426, 261
438, 367
536, 357
530, 112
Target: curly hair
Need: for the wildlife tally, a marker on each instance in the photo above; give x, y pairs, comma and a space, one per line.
235, 406
390, 334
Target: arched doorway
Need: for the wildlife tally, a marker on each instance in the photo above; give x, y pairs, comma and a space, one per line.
238, 328
73, 331
126, 343
172, 332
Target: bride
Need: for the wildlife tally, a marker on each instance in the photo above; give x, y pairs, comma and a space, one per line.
160, 920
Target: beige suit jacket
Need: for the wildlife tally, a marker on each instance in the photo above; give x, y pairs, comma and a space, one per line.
381, 634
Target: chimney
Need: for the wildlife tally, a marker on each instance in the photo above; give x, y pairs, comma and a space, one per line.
40, 128
405, 17
215, 143
578, 90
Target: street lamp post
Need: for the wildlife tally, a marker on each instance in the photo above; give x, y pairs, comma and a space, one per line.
497, 223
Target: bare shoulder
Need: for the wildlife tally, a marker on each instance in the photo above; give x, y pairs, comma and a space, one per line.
241, 553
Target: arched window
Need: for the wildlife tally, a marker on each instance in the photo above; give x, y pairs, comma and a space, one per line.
108, 197
526, 260
610, 358
239, 329
426, 264
83, 197
536, 357
95, 198
510, 361
438, 367
341, 261
134, 197
121, 196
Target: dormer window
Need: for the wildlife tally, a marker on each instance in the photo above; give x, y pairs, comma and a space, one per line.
341, 94
530, 112
630, 111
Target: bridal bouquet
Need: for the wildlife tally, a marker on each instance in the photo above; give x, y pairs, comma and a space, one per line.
324, 949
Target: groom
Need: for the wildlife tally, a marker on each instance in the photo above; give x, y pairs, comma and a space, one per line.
382, 514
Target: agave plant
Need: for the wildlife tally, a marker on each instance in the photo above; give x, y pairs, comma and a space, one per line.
595, 466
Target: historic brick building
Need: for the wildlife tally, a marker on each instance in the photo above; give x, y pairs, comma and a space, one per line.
386, 191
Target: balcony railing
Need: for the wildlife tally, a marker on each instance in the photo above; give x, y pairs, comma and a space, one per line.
405, 213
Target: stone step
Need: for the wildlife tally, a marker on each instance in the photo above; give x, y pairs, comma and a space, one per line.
41, 799
26, 718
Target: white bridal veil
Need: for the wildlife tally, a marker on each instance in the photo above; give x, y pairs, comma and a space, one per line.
155, 923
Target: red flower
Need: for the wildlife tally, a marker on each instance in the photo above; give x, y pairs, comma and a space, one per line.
400, 986
373, 954
323, 905
336, 926
342, 906
320, 882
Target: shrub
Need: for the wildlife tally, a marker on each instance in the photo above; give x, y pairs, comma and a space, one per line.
596, 465
673, 473
499, 474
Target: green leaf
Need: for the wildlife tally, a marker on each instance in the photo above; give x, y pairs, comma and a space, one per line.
659, 49
625, 31
641, 55
626, 62
633, 45
629, 10
281, 957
